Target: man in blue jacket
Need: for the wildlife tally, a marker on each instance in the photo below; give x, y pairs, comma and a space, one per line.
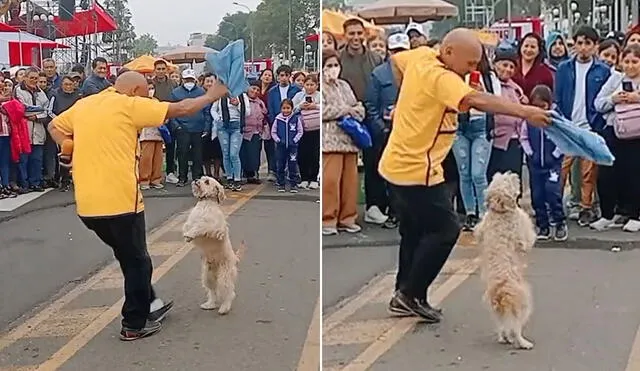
380, 98
283, 90
97, 81
189, 130
578, 82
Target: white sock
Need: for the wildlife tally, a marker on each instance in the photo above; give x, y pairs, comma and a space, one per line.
156, 304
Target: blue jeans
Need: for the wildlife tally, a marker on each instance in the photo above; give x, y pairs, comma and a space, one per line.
230, 138
5, 160
31, 167
287, 158
546, 195
472, 151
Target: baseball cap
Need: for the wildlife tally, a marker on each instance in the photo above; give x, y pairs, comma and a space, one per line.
398, 41
189, 74
415, 27
74, 75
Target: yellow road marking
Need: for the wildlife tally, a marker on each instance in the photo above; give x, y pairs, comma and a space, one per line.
633, 364
310, 356
387, 340
23, 329
81, 339
357, 332
163, 248
18, 368
67, 322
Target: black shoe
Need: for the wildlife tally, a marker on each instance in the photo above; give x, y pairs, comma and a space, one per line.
395, 309
422, 309
130, 334
544, 234
391, 223
561, 233
293, 189
159, 314
586, 217
228, 184
236, 186
281, 189
254, 181
65, 187
470, 223
36, 189
181, 184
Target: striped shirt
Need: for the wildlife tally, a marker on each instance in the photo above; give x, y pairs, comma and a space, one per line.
311, 118
5, 129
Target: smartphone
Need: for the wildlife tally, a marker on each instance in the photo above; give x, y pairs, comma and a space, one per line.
308, 99
627, 86
474, 77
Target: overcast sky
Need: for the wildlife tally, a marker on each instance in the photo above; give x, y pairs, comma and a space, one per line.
172, 21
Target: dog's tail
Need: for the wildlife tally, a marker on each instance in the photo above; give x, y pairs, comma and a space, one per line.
241, 250
504, 298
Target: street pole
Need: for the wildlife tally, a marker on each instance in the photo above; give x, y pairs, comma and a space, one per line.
509, 19
252, 24
289, 37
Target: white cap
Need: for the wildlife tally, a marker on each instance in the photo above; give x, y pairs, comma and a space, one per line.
189, 74
415, 27
398, 41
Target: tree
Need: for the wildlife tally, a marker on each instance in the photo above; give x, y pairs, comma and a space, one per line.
144, 44
232, 27
122, 39
334, 4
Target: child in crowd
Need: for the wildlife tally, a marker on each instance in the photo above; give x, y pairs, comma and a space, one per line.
252, 134
545, 169
307, 102
286, 132
151, 155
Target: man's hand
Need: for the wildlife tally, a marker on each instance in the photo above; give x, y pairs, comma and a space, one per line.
524, 99
217, 91
536, 116
477, 87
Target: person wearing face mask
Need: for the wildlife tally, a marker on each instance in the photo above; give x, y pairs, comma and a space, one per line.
61, 100
189, 130
151, 156
339, 152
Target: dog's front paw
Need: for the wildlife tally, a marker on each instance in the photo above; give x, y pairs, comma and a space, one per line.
219, 235
208, 305
224, 309
503, 339
523, 343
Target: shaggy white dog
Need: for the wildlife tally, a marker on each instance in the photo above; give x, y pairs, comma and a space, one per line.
505, 235
207, 228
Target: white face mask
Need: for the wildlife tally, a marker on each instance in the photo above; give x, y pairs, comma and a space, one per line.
331, 73
189, 85
151, 93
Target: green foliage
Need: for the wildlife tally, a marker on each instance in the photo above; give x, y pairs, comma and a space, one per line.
144, 44
122, 39
334, 4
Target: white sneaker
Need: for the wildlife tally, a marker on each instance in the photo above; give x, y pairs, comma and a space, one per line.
632, 226
329, 231
304, 185
353, 228
156, 304
314, 185
144, 187
157, 186
172, 178
375, 216
601, 224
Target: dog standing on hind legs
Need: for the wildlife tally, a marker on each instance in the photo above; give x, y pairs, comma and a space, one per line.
505, 235
206, 227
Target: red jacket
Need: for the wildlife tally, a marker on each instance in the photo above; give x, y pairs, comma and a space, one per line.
20, 143
539, 74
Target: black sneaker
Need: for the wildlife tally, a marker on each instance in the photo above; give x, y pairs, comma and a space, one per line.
130, 334
181, 184
561, 233
391, 223
586, 217
470, 223
38, 189
544, 234
228, 184
421, 309
395, 309
159, 314
294, 189
254, 181
281, 189
236, 186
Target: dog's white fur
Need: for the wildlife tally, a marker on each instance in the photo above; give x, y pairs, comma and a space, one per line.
207, 228
505, 234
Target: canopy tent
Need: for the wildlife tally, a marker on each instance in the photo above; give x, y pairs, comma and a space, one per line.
187, 54
86, 22
332, 22
406, 11
21, 48
312, 38
145, 64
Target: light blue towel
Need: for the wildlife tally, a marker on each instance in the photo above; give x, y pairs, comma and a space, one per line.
228, 65
574, 141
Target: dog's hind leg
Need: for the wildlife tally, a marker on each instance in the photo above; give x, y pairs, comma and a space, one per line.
519, 341
226, 289
209, 283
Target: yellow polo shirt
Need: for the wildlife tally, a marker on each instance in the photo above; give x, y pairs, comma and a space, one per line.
106, 152
424, 121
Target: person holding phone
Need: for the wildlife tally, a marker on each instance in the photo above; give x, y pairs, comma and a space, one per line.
307, 102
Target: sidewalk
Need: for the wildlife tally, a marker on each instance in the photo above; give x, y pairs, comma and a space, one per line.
266, 329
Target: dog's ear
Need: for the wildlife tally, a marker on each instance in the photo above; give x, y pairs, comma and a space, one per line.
220, 195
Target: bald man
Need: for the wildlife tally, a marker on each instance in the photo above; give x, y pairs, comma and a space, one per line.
432, 93
108, 199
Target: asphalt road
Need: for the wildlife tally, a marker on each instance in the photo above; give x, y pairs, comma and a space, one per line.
585, 318
75, 326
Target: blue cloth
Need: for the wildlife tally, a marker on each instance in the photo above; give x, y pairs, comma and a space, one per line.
381, 94
274, 100
228, 66
199, 122
565, 89
574, 141
166, 134
358, 132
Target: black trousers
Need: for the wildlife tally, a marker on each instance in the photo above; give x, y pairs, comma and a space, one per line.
270, 151
429, 229
375, 186
189, 147
126, 235
612, 179
309, 156
627, 158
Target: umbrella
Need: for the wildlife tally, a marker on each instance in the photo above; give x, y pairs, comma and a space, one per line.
406, 11
332, 22
144, 64
188, 54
